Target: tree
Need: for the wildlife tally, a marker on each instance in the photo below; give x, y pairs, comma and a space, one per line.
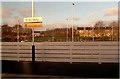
115, 30
7, 34
98, 28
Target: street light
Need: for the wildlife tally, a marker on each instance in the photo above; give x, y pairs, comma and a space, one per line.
72, 21
33, 27
18, 25
33, 46
93, 28
112, 33
67, 30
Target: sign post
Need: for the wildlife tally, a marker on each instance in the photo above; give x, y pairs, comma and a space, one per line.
31, 23
33, 46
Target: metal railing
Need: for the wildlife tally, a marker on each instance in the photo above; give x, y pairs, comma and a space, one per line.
98, 52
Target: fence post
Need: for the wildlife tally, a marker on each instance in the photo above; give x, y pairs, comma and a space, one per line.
71, 46
99, 50
18, 55
43, 52
33, 53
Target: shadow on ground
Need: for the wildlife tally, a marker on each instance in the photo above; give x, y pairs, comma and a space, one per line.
83, 70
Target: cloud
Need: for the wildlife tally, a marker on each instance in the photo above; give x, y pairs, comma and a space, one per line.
75, 19
54, 11
24, 12
6, 12
92, 14
12, 15
111, 11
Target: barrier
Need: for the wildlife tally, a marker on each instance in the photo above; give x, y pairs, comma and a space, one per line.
94, 52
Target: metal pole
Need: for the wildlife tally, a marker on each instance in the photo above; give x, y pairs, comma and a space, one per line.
18, 39
93, 33
84, 33
32, 36
18, 31
53, 34
33, 46
32, 17
72, 21
71, 44
112, 33
67, 30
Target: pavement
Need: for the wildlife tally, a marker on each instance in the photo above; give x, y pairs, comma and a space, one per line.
8, 75
14, 69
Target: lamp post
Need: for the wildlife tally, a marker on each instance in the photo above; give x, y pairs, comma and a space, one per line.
72, 21
112, 33
72, 33
53, 36
33, 46
93, 28
32, 17
18, 25
67, 30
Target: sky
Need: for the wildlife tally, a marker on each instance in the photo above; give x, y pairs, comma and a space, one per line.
55, 13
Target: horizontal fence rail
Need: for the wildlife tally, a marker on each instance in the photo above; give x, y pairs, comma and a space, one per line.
99, 52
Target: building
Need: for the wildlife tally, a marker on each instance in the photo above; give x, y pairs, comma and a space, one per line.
110, 32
